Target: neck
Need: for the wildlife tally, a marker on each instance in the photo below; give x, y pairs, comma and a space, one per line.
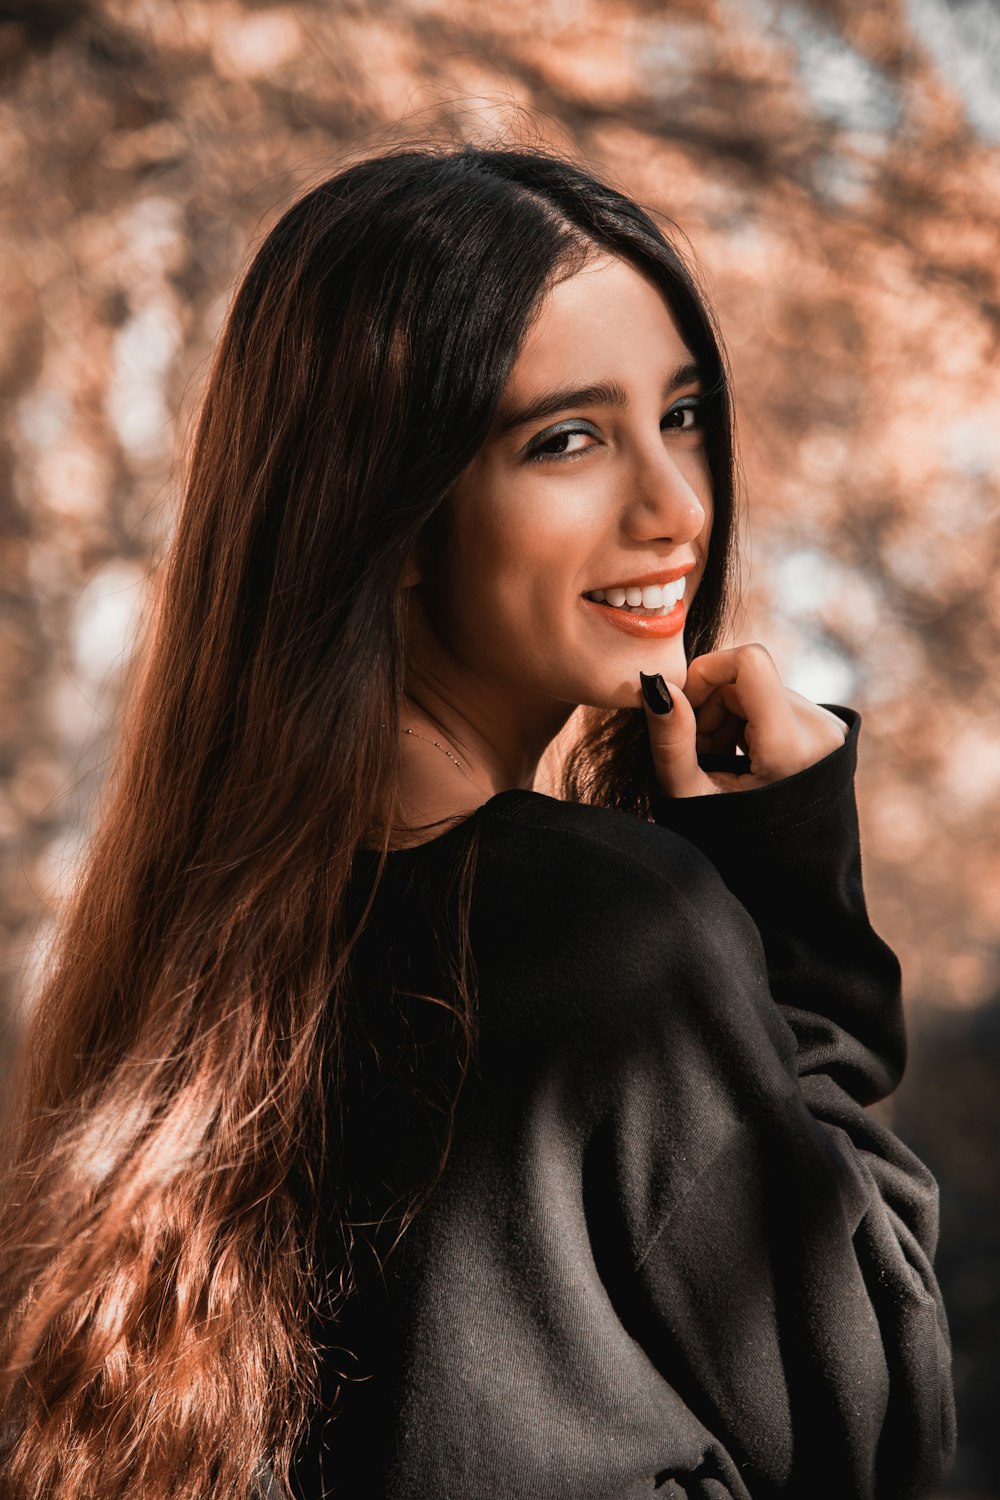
498, 732
498, 746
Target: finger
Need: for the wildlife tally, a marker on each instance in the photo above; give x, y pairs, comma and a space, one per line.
817, 718
712, 715
746, 681
725, 740
672, 729
719, 729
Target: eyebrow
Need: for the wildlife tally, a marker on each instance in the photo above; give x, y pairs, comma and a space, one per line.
604, 393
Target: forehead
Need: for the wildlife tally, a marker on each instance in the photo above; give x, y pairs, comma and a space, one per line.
606, 321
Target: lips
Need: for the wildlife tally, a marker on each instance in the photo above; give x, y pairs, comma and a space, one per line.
661, 577
650, 597
659, 626
650, 605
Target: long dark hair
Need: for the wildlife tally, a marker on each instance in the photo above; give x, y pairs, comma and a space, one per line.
181, 1072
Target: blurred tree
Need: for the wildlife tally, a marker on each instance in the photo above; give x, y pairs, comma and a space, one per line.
835, 167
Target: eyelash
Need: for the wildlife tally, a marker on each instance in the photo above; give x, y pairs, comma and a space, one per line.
537, 454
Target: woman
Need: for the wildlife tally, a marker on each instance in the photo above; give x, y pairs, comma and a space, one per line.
386, 1126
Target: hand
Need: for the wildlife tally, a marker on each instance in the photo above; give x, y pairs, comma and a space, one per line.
735, 699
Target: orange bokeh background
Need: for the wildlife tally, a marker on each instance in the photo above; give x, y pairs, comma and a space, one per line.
835, 168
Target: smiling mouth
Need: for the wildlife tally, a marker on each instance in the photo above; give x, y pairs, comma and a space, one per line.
652, 600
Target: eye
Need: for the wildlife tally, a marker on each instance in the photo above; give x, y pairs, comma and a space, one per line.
565, 442
685, 415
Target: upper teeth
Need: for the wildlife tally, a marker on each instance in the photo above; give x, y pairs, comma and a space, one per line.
650, 596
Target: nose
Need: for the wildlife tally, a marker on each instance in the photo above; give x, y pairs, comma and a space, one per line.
668, 497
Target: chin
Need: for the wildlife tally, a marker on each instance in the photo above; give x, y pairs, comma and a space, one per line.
622, 690
630, 696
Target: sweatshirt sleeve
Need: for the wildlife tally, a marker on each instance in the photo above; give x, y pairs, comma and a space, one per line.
789, 1294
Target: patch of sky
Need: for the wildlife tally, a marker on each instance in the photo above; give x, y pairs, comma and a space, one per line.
803, 581
104, 620
136, 398
963, 506
963, 39
747, 240
844, 87
669, 52
842, 179
972, 446
154, 236
820, 672
42, 418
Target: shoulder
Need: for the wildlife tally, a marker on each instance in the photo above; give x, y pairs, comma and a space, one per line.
592, 843
574, 851
578, 904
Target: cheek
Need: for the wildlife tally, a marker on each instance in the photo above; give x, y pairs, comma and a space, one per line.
518, 544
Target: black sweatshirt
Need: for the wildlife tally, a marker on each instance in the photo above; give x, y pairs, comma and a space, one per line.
670, 1250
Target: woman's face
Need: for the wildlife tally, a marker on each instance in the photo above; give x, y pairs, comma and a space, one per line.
594, 481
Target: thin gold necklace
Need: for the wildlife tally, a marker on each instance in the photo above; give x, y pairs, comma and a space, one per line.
453, 758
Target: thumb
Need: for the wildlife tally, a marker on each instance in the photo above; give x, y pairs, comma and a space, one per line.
672, 731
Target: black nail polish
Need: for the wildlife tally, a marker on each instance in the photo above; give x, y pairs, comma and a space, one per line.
656, 692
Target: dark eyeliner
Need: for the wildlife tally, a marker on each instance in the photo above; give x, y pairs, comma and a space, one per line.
687, 403
531, 451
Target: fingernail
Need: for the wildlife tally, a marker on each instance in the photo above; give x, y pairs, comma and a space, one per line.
656, 692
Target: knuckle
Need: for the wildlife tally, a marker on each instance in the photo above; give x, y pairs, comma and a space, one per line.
756, 657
